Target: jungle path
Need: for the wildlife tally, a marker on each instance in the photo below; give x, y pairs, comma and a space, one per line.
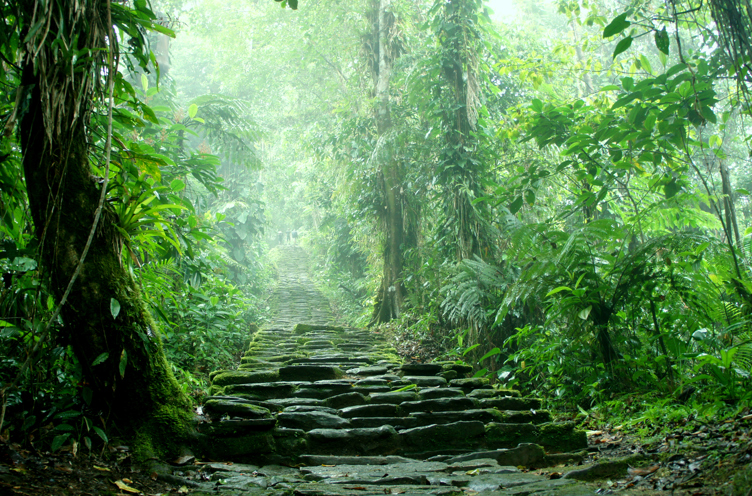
316, 409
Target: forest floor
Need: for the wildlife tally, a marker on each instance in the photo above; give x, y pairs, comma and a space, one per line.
683, 460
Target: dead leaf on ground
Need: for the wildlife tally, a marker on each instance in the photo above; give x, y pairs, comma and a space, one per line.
642, 472
125, 487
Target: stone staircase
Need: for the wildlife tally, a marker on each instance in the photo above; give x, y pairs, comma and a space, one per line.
317, 409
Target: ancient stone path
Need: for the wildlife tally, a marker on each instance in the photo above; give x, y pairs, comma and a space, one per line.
316, 409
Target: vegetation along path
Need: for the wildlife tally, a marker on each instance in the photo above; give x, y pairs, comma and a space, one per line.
317, 409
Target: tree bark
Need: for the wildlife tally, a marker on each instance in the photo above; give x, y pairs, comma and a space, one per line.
391, 292
134, 385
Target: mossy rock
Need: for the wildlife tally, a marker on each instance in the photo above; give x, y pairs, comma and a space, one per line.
562, 436
606, 469
217, 408
227, 378
222, 448
521, 417
500, 435
447, 436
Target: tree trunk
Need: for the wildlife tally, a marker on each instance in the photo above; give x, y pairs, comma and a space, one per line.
391, 292
134, 385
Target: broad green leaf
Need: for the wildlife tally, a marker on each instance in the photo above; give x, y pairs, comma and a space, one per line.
58, 441
144, 82
123, 362
214, 300
645, 63
537, 105
558, 290
468, 350
585, 312
101, 358
100, 433
192, 110
480, 373
619, 24
530, 196
662, 41
491, 353
50, 302
177, 185
623, 45
114, 308
516, 205
671, 188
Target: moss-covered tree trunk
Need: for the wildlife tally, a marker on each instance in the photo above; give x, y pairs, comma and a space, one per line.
134, 385
391, 291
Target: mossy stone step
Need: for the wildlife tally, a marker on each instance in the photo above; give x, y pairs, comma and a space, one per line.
309, 373
483, 415
439, 405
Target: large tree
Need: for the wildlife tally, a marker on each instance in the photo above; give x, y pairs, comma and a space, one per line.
68, 68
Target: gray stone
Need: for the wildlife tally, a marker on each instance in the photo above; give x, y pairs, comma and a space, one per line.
311, 408
510, 403
371, 410
526, 455
438, 405
263, 391
285, 402
236, 427
471, 383
309, 373
313, 460
311, 420
382, 440
368, 371
485, 416
394, 397
440, 392
420, 369
396, 422
437, 437
217, 408
426, 380
345, 400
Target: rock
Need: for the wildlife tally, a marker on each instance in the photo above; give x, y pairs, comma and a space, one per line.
439, 392
508, 402
226, 378
605, 469
353, 460
526, 455
562, 436
345, 400
420, 369
263, 391
438, 405
396, 422
371, 410
311, 420
310, 408
217, 408
505, 435
426, 380
394, 397
368, 371
436, 437
382, 440
236, 427
471, 383
309, 373
532, 416
285, 402
485, 416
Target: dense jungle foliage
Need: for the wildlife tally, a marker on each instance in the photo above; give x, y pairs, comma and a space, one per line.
556, 191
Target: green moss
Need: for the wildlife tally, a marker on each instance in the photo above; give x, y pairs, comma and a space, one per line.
226, 378
510, 435
562, 436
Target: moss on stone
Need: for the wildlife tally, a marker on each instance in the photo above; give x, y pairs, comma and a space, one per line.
500, 435
562, 436
225, 378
